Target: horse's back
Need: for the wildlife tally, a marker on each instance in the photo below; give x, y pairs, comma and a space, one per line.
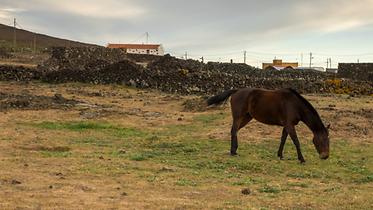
267, 106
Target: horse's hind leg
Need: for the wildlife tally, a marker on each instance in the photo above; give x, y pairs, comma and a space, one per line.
283, 140
238, 123
234, 130
245, 120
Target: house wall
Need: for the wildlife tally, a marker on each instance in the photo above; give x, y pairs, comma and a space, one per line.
279, 63
158, 51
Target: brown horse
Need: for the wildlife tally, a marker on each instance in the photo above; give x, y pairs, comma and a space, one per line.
284, 107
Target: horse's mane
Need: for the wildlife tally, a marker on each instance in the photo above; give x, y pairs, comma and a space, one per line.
316, 121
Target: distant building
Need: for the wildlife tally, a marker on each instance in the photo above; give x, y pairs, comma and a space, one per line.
146, 49
278, 64
332, 70
314, 68
278, 68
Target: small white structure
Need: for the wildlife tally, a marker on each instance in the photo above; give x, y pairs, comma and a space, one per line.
146, 49
311, 68
332, 70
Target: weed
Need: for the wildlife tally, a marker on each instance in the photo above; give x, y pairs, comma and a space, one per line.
297, 184
141, 156
74, 126
185, 182
209, 118
366, 179
269, 189
58, 154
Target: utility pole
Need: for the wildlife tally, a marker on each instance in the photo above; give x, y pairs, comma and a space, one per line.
186, 55
301, 59
244, 57
330, 62
34, 43
327, 63
311, 60
14, 34
147, 37
358, 60
202, 59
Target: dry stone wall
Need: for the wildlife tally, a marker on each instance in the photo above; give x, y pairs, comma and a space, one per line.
18, 73
169, 74
356, 71
4, 53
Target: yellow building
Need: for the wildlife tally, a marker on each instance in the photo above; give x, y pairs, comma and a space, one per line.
277, 63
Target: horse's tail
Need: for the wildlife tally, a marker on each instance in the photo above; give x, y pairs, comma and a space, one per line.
220, 98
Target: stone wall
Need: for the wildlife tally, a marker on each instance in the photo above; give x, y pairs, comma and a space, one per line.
356, 71
4, 53
169, 74
18, 73
82, 58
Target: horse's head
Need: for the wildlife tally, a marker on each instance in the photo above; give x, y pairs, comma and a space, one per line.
321, 142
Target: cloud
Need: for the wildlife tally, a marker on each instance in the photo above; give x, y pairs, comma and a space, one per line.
199, 27
333, 16
11, 10
6, 14
98, 9
107, 9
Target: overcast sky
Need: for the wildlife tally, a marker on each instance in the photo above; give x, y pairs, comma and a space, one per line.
218, 30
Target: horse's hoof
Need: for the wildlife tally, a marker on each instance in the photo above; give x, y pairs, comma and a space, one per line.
281, 158
302, 162
233, 153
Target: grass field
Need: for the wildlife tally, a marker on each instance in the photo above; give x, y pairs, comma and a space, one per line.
123, 148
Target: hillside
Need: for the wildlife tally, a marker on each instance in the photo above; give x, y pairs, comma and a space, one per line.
25, 39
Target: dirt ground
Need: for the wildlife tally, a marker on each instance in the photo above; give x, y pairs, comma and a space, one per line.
80, 146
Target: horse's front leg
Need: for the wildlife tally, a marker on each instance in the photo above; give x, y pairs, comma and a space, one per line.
283, 140
293, 135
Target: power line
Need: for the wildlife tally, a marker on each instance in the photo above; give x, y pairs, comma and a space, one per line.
342, 55
139, 37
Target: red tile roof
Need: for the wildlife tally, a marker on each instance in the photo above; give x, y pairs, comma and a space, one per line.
134, 46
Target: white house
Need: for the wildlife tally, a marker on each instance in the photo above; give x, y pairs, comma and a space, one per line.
150, 49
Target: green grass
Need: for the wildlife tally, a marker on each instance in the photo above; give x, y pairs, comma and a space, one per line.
74, 126
210, 118
141, 156
199, 161
269, 189
296, 184
82, 126
56, 154
185, 182
92, 141
184, 146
